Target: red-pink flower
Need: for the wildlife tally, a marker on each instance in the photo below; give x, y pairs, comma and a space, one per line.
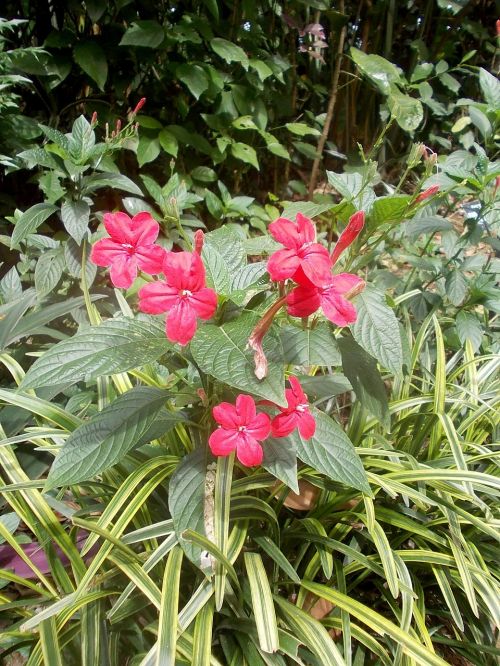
295, 415
429, 192
301, 251
307, 298
183, 295
241, 429
350, 233
130, 247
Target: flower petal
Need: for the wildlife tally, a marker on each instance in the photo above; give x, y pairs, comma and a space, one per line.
306, 228
303, 301
337, 308
226, 415
150, 258
245, 406
316, 264
184, 270
157, 297
284, 424
222, 442
350, 233
123, 270
282, 264
204, 302
119, 227
249, 451
260, 426
344, 282
286, 232
144, 228
297, 391
105, 251
181, 322
306, 424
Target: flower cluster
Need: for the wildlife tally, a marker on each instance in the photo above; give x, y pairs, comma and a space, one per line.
241, 428
183, 295
310, 265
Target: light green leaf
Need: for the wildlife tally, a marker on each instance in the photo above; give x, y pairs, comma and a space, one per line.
169, 610
249, 281
461, 124
456, 287
222, 352
108, 436
389, 209
217, 271
490, 87
469, 328
450, 82
245, 153
92, 59
407, 110
262, 603
194, 77
148, 149
263, 70
168, 142
229, 52
48, 271
301, 129
376, 329
316, 346
82, 140
30, 220
307, 208
379, 70
149, 34
427, 225
331, 452
229, 244
117, 181
115, 346
75, 216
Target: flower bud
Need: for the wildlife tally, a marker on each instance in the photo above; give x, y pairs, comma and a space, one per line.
139, 106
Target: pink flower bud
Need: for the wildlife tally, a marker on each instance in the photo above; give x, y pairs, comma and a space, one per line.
118, 125
139, 106
498, 28
93, 120
429, 192
199, 237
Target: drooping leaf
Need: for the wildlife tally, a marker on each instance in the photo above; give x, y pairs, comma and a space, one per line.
115, 346
194, 77
376, 329
316, 346
92, 59
117, 181
229, 51
379, 70
469, 328
148, 149
280, 459
109, 435
148, 34
245, 153
75, 216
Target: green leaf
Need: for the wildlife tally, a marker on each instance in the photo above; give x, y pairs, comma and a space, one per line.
316, 346
194, 77
168, 142
307, 208
229, 52
427, 225
217, 270
116, 181
490, 87
169, 610
245, 153
407, 110
380, 71
450, 82
92, 59
148, 149
229, 244
376, 329
331, 452
480, 120
389, 209
203, 174
361, 370
222, 352
30, 220
48, 271
186, 500
263, 70
301, 129
108, 436
469, 328
456, 287
75, 216
248, 281
262, 603
280, 459
149, 34
115, 346
82, 140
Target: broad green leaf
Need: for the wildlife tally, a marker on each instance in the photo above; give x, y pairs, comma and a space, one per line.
11, 315
249, 281
469, 328
186, 500
324, 387
316, 346
229, 51
407, 110
30, 220
222, 352
82, 140
168, 142
480, 120
331, 452
245, 153
262, 603
116, 181
148, 149
56, 136
307, 208
456, 287
194, 77
229, 244
73, 255
108, 436
217, 270
280, 459
450, 82
115, 346
361, 370
389, 209
301, 129
148, 34
263, 70
379, 70
203, 174
48, 271
92, 59
427, 225
490, 87
75, 216
11, 286
376, 329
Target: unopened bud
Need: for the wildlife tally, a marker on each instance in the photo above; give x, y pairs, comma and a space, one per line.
498, 28
199, 237
139, 105
429, 192
93, 120
118, 125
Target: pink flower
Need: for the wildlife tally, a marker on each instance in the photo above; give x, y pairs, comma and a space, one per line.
301, 251
183, 295
241, 429
349, 235
130, 247
295, 415
307, 298
429, 192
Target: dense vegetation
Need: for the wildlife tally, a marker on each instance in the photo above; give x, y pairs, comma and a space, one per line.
249, 401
